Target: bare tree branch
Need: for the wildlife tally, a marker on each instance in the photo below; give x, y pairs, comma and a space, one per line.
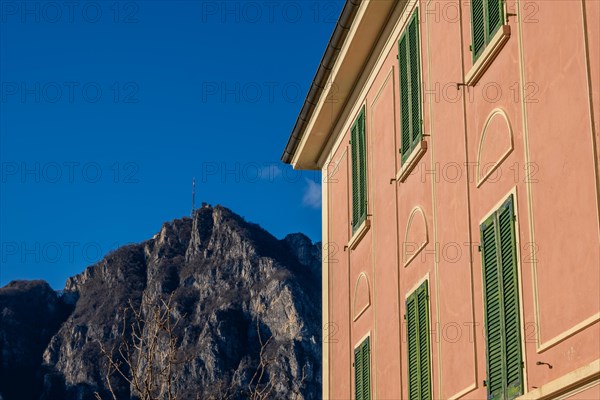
140, 357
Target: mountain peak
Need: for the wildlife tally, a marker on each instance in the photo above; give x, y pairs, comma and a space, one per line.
226, 276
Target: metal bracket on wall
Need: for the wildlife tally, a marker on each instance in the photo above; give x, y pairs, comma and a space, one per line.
544, 363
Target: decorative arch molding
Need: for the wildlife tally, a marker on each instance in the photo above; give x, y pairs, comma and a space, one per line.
495, 144
362, 296
416, 236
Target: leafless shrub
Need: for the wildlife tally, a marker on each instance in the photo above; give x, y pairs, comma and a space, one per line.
146, 353
259, 390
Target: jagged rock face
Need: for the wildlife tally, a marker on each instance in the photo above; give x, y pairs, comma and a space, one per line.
30, 314
226, 276
308, 254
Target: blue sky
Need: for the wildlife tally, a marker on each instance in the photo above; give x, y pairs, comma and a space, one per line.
108, 109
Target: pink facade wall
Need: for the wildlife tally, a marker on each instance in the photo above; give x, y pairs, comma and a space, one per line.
533, 117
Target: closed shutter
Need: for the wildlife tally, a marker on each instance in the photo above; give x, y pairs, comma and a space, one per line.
493, 309
501, 298
423, 327
404, 97
358, 365
362, 371
495, 14
487, 16
410, 87
419, 363
413, 350
362, 166
366, 370
359, 171
477, 27
510, 292
354, 144
415, 79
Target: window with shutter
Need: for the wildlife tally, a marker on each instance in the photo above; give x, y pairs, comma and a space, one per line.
417, 332
359, 171
410, 87
487, 16
362, 371
501, 304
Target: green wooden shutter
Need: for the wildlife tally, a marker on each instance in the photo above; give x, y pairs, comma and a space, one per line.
358, 365
487, 16
413, 350
354, 144
419, 362
477, 27
359, 171
495, 16
493, 309
510, 294
415, 79
404, 97
362, 166
366, 370
423, 328
362, 371
501, 303
410, 87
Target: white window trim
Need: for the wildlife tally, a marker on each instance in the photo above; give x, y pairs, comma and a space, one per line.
492, 49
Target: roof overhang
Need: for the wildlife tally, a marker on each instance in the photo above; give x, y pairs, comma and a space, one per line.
348, 51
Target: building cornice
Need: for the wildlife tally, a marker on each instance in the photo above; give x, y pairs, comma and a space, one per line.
349, 49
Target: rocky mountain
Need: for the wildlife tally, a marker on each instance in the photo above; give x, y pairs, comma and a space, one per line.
233, 286
30, 314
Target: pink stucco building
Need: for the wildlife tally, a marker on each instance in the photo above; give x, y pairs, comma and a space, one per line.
459, 148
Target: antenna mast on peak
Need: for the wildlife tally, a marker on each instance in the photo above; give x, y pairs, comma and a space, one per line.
193, 196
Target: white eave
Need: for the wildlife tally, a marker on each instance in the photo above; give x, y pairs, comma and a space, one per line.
370, 19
